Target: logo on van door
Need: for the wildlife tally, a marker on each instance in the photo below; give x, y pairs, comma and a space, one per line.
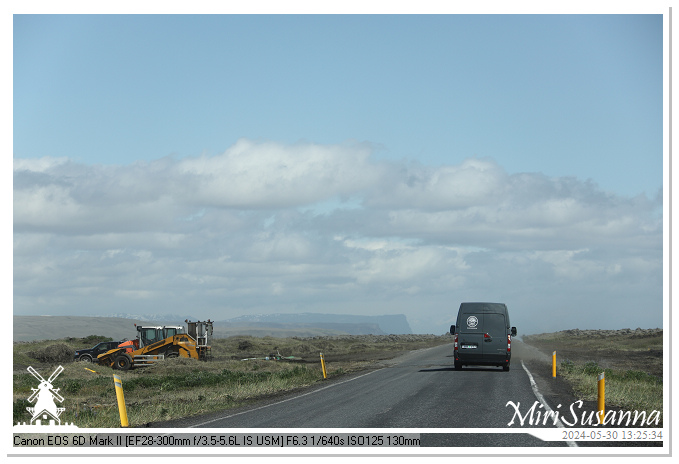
472, 322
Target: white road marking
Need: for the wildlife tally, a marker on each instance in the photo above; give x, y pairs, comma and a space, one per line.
541, 399
534, 386
284, 401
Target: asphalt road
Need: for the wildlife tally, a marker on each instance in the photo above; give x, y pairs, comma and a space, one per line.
419, 390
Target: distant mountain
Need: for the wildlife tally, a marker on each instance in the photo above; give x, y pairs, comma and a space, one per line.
169, 318
27, 328
347, 323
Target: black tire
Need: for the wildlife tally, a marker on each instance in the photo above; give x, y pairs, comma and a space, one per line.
85, 358
458, 366
172, 355
123, 362
505, 367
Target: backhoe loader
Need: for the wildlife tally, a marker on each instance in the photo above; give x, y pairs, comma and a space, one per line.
155, 343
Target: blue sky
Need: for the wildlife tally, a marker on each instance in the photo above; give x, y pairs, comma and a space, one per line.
341, 163
562, 95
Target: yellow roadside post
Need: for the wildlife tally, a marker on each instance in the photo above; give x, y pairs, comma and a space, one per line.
554, 364
121, 400
601, 403
325, 374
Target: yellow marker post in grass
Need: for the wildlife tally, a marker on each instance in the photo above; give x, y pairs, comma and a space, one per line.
554, 364
601, 402
325, 374
121, 400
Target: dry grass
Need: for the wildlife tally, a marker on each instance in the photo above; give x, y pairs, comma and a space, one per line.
632, 365
179, 387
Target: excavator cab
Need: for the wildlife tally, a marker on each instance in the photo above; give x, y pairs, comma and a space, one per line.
148, 335
172, 330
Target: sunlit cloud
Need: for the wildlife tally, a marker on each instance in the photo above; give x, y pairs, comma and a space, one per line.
269, 227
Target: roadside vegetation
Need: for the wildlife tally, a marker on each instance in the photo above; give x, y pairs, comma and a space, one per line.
631, 361
180, 387
628, 390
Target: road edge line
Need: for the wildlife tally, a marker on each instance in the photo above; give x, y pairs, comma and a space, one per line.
542, 400
286, 400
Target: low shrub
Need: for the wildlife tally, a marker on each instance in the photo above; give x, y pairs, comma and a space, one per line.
245, 345
591, 368
58, 353
19, 412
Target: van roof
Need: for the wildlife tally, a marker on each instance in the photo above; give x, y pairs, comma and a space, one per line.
483, 307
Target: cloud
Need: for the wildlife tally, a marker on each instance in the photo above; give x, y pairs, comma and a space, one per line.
475, 182
267, 227
396, 263
520, 211
269, 175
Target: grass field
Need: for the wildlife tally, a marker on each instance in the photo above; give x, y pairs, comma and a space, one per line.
632, 363
177, 388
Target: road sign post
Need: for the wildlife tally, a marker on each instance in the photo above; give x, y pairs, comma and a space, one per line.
601, 402
325, 374
121, 400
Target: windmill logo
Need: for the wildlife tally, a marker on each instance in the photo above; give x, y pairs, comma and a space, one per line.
45, 395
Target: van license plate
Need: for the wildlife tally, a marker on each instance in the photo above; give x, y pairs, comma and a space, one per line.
468, 346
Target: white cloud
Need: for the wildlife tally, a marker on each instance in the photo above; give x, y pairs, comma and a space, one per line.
263, 227
269, 175
407, 265
43, 164
473, 182
43, 206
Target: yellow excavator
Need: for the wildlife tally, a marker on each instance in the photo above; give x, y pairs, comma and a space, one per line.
155, 343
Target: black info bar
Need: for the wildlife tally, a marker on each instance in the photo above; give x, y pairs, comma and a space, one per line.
164, 440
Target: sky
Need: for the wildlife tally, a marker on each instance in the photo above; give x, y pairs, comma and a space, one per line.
224, 165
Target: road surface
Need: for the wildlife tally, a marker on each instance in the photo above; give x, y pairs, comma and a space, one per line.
420, 390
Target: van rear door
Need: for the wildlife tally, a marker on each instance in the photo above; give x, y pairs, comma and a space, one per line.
495, 337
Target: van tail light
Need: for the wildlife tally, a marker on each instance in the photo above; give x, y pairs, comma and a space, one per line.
455, 343
509, 343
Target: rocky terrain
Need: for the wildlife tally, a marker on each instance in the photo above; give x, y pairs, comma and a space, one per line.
590, 333
392, 338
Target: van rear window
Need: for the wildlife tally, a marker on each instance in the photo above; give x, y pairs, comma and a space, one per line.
492, 323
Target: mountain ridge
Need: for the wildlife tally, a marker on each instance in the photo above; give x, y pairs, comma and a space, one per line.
29, 328
386, 324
